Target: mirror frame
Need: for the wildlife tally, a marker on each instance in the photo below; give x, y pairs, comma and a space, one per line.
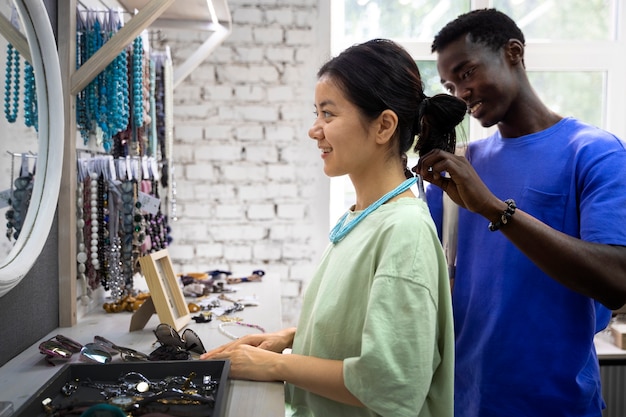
43, 204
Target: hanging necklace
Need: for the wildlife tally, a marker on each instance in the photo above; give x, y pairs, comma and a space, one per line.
137, 82
31, 117
340, 230
12, 92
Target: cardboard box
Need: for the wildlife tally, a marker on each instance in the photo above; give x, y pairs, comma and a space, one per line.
618, 330
90, 384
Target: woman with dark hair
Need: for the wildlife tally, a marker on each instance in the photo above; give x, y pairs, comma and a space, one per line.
375, 336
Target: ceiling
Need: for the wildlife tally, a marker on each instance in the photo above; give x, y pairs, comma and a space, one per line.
182, 14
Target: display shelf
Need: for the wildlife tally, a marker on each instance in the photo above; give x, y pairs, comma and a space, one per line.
212, 16
14, 37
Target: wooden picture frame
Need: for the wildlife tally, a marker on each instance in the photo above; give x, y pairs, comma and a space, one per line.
165, 293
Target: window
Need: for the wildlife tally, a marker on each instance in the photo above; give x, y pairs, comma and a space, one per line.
575, 54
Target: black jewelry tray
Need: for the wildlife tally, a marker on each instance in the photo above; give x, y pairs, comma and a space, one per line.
110, 374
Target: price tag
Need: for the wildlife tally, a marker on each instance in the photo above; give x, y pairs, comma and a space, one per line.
149, 204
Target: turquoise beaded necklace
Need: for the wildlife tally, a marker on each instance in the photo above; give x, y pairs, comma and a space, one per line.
12, 92
31, 113
102, 108
137, 86
340, 230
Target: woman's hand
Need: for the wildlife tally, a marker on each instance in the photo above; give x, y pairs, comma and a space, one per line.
249, 362
275, 342
259, 357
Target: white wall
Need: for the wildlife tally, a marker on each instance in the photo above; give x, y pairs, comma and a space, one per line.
250, 191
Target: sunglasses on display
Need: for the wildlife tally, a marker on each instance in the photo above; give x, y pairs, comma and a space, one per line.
127, 354
61, 349
175, 346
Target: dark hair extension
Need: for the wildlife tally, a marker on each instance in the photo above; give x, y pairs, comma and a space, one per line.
489, 27
438, 117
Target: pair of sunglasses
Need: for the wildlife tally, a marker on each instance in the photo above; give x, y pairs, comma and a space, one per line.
127, 354
188, 340
61, 349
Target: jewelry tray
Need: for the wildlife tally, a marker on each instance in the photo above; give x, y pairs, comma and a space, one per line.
111, 373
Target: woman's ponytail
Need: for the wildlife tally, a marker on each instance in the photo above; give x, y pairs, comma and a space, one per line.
436, 121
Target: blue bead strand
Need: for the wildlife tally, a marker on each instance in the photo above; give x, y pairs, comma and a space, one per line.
91, 100
137, 82
81, 105
31, 113
12, 74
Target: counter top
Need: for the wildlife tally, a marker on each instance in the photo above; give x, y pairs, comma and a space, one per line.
24, 374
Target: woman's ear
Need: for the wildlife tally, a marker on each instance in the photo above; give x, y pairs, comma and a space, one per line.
387, 123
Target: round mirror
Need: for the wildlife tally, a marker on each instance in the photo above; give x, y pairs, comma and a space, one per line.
39, 215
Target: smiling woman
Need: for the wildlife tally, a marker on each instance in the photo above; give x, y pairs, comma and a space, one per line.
42, 52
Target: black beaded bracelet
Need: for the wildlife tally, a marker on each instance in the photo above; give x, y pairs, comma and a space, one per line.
505, 216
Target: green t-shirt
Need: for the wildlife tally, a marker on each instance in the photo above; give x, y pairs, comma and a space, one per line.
380, 302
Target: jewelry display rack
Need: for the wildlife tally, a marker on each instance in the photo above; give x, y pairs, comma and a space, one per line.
212, 16
245, 397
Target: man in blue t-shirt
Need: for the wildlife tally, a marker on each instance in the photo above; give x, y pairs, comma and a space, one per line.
541, 252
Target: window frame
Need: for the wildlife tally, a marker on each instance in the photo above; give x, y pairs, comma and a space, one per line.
608, 57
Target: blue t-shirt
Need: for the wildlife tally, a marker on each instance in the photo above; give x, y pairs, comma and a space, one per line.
524, 342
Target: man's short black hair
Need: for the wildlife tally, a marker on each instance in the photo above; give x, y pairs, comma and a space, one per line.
489, 27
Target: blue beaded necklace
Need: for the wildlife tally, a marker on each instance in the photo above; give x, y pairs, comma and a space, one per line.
340, 230
31, 113
137, 89
81, 97
12, 72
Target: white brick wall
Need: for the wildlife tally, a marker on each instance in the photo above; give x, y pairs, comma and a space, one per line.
251, 193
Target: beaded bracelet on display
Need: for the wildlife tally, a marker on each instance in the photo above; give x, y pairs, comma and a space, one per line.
236, 323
